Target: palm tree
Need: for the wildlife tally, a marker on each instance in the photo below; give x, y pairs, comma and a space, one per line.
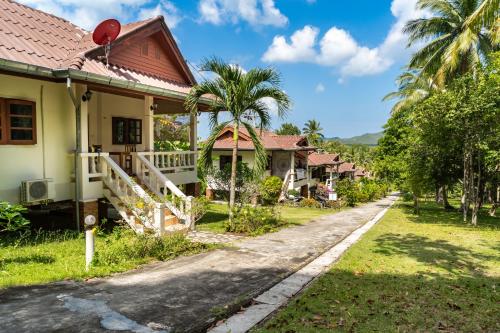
312, 129
240, 94
458, 37
486, 15
412, 88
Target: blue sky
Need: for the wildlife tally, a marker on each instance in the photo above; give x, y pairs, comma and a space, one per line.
338, 58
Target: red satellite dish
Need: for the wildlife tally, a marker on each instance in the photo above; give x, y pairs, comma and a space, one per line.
106, 32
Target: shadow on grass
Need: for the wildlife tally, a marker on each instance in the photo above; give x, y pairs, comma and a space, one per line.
439, 253
431, 213
345, 301
213, 217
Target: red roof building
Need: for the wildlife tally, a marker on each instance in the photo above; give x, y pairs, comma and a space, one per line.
56, 48
270, 140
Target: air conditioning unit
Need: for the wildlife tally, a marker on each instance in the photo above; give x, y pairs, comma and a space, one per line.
34, 191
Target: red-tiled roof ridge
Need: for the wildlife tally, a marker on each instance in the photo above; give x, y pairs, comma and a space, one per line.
31, 36
269, 139
317, 159
42, 12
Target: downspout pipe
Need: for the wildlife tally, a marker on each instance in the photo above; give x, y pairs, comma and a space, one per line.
78, 150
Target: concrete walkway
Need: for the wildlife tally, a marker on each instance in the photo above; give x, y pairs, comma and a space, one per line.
186, 294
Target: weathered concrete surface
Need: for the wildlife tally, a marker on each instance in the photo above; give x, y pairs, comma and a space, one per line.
185, 294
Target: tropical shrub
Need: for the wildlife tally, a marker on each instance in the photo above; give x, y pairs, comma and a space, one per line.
124, 244
335, 204
11, 218
348, 191
199, 207
311, 203
171, 145
254, 220
246, 185
270, 190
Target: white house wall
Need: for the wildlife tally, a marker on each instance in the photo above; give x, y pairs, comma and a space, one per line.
55, 140
102, 109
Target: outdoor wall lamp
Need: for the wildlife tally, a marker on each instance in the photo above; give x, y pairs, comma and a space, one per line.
87, 96
154, 107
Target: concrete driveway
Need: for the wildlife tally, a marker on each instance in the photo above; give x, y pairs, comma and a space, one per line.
186, 294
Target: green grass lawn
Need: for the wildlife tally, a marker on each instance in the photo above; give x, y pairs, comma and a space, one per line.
50, 256
217, 215
427, 273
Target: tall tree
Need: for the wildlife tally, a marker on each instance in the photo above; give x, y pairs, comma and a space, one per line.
238, 94
312, 129
412, 88
288, 129
457, 42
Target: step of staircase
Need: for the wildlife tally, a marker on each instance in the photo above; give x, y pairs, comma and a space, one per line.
176, 228
171, 219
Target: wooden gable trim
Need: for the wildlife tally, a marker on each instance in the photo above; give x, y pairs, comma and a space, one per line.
242, 136
147, 30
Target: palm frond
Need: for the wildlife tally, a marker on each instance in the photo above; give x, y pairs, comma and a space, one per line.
427, 28
206, 152
260, 152
485, 16
260, 109
442, 8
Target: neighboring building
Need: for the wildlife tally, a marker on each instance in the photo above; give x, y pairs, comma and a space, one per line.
56, 91
323, 167
287, 155
347, 170
360, 173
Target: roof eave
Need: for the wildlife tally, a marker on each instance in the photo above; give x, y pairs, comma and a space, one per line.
18, 67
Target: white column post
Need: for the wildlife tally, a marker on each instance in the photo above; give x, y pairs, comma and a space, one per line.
292, 171
148, 127
193, 135
84, 139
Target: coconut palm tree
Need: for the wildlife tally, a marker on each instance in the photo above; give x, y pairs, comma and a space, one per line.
240, 94
312, 129
412, 88
486, 15
457, 35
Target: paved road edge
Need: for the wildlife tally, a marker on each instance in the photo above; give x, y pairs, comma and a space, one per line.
280, 294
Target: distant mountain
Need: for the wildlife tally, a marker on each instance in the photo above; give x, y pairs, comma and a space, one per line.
369, 139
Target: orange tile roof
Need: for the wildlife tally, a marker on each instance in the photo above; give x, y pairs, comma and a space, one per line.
270, 140
37, 38
317, 159
347, 167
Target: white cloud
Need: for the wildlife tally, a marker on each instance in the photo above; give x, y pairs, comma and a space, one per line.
165, 8
255, 12
337, 48
301, 47
88, 13
319, 88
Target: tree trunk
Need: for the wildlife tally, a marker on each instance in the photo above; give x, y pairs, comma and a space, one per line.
477, 192
234, 164
466, 184
416, 204
446, 203
439, 195
494, 202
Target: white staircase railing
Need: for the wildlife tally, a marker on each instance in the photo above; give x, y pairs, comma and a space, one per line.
171, 161
173, 198
135, 206
285, 186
